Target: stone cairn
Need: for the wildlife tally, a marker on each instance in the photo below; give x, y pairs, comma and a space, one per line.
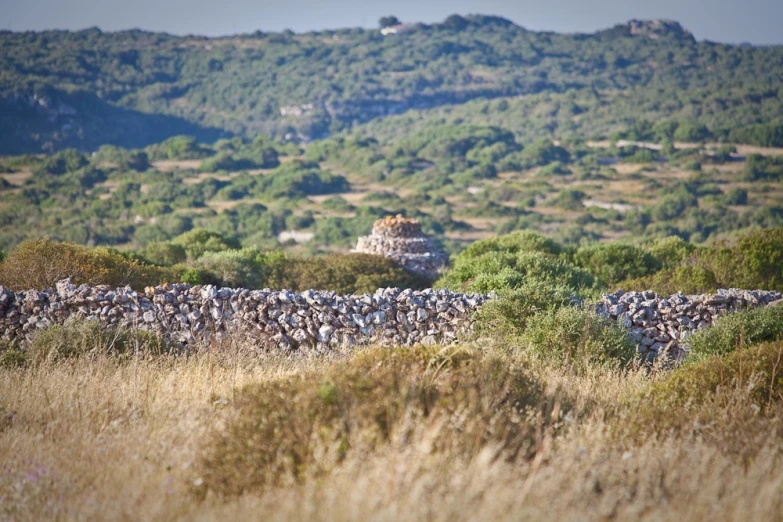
286, 320
660, 325
401, 240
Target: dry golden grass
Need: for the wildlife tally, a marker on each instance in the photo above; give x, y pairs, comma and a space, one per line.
96, 438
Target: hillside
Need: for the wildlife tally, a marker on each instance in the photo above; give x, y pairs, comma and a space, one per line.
464, 182
133, 88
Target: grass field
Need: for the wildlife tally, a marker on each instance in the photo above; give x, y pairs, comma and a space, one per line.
144, 438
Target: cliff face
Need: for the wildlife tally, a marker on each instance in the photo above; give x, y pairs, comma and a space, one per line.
402, 240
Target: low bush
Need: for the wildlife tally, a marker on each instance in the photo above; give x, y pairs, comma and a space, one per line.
78, 337
568, 199
670, 251
198, 241
233, 268
615, 262
730, 402
348, 274
688, 279
301, 426
297, 179
757, 370
577, 338
507, 271
40, 263
755, 260
12, 357
519, 241
510, 312
163, 253
737, 330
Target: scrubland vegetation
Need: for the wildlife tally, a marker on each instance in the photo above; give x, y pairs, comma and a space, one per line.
133, 88
544, 411
475, 126
553, 168
463, 182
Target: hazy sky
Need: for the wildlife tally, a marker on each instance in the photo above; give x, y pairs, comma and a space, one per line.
755, 21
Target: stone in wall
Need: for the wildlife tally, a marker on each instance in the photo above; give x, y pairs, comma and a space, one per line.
660, 325
401, 240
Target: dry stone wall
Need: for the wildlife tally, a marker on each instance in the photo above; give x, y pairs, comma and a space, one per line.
402, 240
274, 319
660, 325
316, 320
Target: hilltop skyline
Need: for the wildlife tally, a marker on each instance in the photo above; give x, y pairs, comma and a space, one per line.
752, 21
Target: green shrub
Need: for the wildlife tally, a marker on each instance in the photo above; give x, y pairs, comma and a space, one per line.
736, 196
198, 241
298, 179
40, 263
245, 268
691, 132
518, 241
510, 312
233, 268
68, 160
543, 152
221, 161
755, 261
78, 337
301, 426
577, 338
181, 273
553, 169
179, 148
737, 330
758, 167
568, 199
339, 204
12, 357
348, 274
162, 253
507, 271
762, 134
688, 279
756, 371
612, 262
670, 251
134, 160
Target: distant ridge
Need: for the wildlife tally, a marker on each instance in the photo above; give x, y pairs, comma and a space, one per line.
135, 87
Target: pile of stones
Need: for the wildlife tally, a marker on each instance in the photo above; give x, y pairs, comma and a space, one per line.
660, 325
401, 240
286, 320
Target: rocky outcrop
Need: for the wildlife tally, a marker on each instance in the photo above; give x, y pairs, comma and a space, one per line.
656, 29
274, 319
401, 240
660, 325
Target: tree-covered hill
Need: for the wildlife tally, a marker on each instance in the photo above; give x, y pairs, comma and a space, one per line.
132, 88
